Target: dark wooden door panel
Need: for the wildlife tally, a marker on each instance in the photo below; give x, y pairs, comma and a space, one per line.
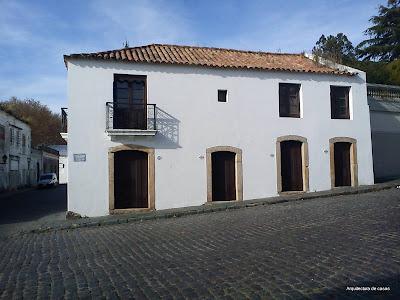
223, 176
130, 179
291, 166
342, 164
130, 102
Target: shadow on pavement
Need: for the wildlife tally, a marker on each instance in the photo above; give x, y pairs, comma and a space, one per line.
34, 205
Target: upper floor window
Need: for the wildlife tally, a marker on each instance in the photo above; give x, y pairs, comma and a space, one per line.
11, 136
222, 95
2, 137
130, 89
18, 137
289, 100
340, 102
23, 143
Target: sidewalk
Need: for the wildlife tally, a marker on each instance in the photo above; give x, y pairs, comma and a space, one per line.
206, 208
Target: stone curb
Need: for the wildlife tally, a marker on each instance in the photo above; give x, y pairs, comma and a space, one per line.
207, 208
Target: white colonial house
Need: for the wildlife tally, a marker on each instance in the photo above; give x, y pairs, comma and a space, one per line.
165, 126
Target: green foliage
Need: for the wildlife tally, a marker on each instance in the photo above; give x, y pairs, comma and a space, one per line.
384, 35
393, 69
337, 48
44, 123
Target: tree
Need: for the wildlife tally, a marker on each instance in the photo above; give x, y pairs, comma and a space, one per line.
335, 48
393, 69
384, 41
45, 124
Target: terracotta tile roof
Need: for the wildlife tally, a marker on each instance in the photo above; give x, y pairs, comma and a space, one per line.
211, 57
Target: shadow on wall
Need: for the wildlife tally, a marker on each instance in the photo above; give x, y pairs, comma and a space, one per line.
167, 136
167, 129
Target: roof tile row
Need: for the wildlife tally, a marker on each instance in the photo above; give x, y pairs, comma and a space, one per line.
212, 57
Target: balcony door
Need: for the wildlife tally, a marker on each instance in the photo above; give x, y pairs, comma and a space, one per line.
130, 99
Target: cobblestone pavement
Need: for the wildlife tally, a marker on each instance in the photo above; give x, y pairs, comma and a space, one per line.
307, 249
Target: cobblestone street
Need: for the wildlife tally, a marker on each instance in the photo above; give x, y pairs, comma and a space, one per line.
307, 249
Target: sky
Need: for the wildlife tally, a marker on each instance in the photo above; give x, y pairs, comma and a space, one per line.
34, 35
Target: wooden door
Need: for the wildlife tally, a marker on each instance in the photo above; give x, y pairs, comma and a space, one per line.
291, 166
223, 176
342, 164
130, 102
130, 179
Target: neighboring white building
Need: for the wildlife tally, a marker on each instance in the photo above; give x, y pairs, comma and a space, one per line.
384, 104
16, 169
44, 159
62, 163
165, 126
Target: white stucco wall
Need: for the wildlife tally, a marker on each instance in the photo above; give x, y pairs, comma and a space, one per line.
63, 169
249, 120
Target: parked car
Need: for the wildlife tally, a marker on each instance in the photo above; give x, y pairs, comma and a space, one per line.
47, 180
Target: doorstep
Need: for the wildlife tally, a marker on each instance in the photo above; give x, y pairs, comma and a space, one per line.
208, 208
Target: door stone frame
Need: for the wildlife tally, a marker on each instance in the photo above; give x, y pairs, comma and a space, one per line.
238, 171
304, 159
353, 159
150, 181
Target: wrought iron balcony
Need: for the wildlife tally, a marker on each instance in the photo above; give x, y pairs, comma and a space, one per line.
64, 123
383, 92
131, 119
64, 119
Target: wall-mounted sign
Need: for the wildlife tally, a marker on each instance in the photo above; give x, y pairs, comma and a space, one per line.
80, 157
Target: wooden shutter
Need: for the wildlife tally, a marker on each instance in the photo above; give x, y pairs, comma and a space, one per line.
340, 102
289, 100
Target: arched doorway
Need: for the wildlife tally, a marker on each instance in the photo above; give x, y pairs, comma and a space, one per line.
224, 174
131, 178
343, 156
292, 164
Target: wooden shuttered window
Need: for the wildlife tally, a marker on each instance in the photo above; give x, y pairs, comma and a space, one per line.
289, 100
340, 102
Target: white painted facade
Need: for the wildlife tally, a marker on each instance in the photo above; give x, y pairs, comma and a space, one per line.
194, 120
62, 163
63, 170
